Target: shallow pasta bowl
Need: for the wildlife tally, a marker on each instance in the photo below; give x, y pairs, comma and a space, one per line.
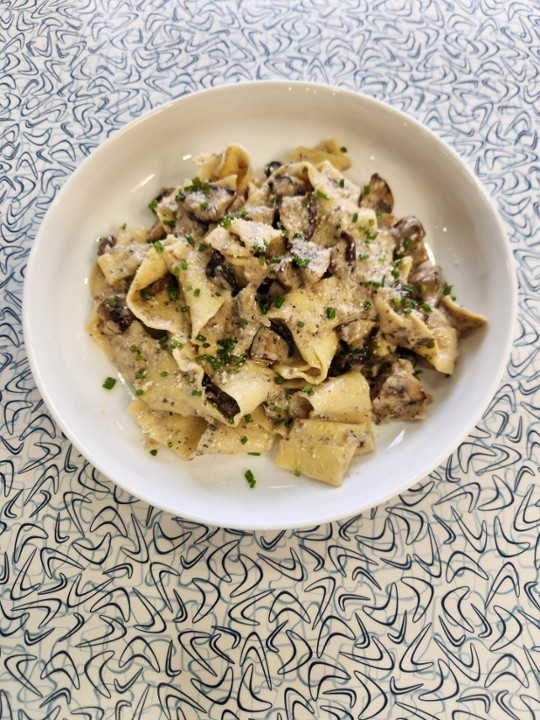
114, 185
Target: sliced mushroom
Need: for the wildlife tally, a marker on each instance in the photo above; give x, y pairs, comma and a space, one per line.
285, 185
345, 359
115, 315
208, 204
398, 394
350, 247
428, 283
219, 271
356, 332
283, 331
167, 283
299, 215
158, 232
343, 256
311, 259
105, 244
287, 274
408, 234
269, 347
226, 404
465, 321
272, 167
377, 195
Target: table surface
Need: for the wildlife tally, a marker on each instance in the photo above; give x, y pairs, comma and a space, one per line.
427, 606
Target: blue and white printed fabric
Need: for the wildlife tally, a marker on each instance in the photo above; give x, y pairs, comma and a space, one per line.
425, 607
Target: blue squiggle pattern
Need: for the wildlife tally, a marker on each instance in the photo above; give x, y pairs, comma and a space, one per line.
427, 606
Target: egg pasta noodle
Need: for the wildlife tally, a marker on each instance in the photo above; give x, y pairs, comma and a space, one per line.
292, 310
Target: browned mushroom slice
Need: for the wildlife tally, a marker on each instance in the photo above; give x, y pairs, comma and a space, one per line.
398, 394
465, 321
343, 256
409, 234
226, 404
219, 271
356, 332
115, 315
428, 282
268, 346
271, 167
377, 195
158, 232
299, 215
311, 259
105, 244
285, 185
209, 204
286, 273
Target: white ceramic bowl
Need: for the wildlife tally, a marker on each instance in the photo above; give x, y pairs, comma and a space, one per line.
115, 183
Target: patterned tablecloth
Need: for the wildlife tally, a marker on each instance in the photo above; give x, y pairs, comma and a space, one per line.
425, 607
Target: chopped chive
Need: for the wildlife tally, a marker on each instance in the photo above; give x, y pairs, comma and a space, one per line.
342, 182
175, 270
343, 149
297, 473
431, 345
204, 205
202, 247
109, 383
190, 239
184, 308
300, 323
250, 478
164, 373
330, 313
196, 393
256, 454
153, 452
153, 205
278, 302
322, 194
243, 440
244, 321
139, 392
184, 264
197, 292
367, 305
366, 189
248, 418
158, 246
200, 338
309, 390
279, 380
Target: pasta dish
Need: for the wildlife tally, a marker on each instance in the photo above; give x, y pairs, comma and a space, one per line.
292, 310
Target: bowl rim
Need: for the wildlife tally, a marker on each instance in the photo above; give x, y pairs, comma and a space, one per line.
277, 84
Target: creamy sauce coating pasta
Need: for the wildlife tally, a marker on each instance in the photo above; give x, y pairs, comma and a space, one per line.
291, 310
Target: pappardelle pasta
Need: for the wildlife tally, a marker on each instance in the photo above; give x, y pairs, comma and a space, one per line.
294, 309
